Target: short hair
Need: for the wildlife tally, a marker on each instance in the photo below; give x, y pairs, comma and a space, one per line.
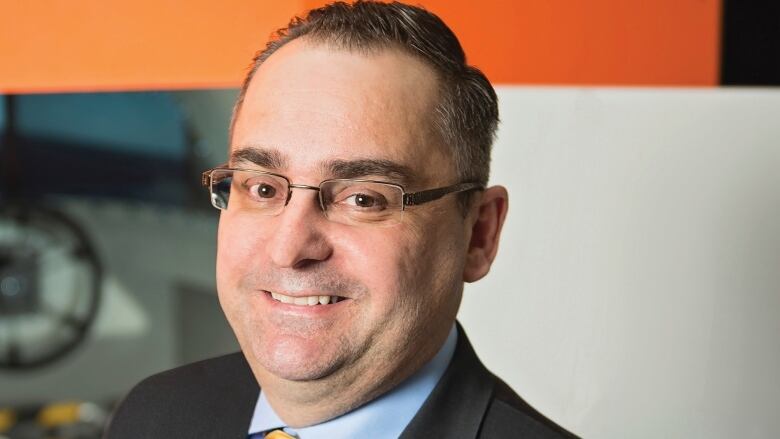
467, 108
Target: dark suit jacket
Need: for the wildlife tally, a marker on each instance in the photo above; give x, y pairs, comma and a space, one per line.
216, 398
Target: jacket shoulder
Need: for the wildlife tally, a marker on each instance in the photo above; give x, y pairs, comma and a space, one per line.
188, 400
470, 402
508, 415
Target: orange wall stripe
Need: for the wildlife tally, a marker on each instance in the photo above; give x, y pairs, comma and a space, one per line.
68, 45
604, 42
77, 45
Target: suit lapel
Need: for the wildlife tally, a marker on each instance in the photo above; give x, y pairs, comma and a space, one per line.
240, 392
458, 403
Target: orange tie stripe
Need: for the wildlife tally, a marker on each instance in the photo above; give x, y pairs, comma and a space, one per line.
278, 434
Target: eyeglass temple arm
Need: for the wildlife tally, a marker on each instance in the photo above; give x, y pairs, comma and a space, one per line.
415, 198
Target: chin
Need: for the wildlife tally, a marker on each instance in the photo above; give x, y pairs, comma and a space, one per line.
296, 359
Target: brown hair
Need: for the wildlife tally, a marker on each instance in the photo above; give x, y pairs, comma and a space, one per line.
467, 111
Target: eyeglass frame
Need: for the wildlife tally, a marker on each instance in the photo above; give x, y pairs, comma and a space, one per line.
408, 198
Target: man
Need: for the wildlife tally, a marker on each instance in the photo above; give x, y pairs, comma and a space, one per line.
354, 206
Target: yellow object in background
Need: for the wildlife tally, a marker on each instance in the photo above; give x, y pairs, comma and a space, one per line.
7, 419
60, 413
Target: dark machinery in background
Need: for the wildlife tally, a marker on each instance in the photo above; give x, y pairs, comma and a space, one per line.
50, 280
128, 146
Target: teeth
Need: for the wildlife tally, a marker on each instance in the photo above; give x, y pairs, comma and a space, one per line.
307, 300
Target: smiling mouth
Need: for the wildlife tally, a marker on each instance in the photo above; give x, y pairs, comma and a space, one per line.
305, 300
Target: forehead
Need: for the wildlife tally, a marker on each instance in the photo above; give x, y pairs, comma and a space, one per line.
314, 104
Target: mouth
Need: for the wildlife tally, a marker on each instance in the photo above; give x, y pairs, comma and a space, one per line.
305, 300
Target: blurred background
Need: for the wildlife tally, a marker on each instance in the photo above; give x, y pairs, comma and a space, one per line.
637, 290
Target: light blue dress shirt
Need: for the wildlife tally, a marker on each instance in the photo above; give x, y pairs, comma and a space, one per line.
384, 417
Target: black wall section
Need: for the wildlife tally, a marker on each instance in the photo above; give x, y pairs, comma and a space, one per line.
751, 43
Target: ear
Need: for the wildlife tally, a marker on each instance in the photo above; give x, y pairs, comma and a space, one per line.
485, 232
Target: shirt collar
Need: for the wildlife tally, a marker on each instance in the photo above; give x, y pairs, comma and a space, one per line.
386, 416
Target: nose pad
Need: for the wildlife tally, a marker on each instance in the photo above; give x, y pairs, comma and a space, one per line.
304, 186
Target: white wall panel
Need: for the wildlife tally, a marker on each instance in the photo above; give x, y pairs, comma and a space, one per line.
637, 289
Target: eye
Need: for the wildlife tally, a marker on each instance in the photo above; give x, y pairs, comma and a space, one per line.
366, 201
263, 190
361, 200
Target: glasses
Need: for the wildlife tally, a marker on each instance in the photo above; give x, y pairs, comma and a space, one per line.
346, 201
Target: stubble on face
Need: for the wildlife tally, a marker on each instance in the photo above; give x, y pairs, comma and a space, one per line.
284, 360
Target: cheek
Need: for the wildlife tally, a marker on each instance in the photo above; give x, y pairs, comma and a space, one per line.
380, 259
236, 251
373, 256
435, 261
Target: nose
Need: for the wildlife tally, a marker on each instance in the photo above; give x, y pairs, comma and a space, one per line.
299, 239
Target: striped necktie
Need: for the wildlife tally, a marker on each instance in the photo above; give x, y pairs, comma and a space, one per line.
275, 434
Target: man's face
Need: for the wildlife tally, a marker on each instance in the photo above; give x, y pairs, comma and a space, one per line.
310, 107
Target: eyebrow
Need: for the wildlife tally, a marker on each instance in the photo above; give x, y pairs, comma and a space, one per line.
358, 168
273, 159
264, 157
